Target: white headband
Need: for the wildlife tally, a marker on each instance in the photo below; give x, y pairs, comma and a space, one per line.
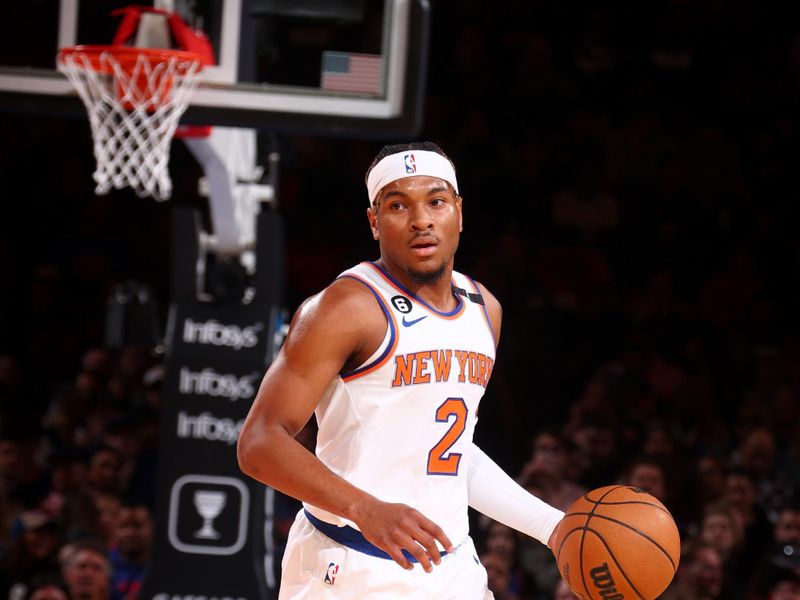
409, 163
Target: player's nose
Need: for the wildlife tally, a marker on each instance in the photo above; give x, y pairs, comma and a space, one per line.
421, 217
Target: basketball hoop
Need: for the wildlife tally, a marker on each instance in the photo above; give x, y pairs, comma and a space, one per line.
135, 98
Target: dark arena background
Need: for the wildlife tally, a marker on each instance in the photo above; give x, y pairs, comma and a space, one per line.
630, 184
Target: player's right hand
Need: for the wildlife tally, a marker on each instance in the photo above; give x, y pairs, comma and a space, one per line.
397, 527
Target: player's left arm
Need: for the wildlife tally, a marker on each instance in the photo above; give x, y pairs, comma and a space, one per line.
492, 492
495, 494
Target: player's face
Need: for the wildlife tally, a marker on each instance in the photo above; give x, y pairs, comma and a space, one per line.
417, 223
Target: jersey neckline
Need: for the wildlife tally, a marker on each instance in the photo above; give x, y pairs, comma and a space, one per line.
402, 288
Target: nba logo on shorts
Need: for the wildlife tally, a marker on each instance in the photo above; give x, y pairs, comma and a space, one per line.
411, 164
330, 576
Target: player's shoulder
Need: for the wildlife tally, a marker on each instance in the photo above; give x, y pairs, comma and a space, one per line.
493, 307
338, 321
489, 298
343, 300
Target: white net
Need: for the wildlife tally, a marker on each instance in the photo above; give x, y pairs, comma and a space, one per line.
134, 100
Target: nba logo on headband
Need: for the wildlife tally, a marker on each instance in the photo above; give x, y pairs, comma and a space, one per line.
400, 165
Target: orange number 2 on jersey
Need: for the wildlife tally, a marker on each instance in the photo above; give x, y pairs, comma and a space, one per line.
440, 462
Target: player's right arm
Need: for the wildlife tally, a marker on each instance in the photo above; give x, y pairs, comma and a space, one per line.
340, 326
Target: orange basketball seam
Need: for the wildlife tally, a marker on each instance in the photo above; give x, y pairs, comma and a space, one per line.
580, 559
607, 492
634, 529
616, 562
561, 546
583, 535
640, 502
558, 553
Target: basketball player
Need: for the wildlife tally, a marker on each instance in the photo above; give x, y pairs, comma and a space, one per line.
393, 357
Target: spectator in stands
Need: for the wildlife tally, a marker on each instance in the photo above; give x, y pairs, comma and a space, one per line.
547, 466
597, 443
563, 592
107, 506
67, 417
49, 586
699, 575
104, 469
785, 586
34, 552
67, 470
721, 528
775, 582
648, 473
741, 494
787, 527
23, 481
131, 552
783, 554
710, 474
498, 571
11, 501
135, 437
86, 570
122, 434
503, 541
774, 479
68, 499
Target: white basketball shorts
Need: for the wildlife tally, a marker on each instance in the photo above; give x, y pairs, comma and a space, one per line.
316, 567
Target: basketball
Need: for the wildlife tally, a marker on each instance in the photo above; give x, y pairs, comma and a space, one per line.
617, 542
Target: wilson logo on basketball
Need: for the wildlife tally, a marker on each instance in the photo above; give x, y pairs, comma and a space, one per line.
601, 577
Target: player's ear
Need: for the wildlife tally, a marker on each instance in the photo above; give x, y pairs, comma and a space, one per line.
372, 216
460, 214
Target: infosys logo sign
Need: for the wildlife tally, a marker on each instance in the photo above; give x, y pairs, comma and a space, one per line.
217, 334
206, 426
218, 385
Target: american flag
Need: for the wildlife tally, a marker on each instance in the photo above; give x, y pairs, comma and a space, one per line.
351, 72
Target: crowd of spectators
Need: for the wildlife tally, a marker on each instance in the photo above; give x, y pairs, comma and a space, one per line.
630, 197
77, 479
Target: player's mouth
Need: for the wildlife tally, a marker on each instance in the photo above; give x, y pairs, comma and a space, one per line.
424, 246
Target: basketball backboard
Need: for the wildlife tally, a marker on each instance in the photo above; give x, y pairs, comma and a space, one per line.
283, 65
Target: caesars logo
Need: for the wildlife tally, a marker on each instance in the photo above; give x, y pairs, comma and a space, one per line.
206, 426
190, 597
210, 383
215, 333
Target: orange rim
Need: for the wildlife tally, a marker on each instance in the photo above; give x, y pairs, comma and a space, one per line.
127, 56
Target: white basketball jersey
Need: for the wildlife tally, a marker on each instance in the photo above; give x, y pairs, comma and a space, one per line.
400, 426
